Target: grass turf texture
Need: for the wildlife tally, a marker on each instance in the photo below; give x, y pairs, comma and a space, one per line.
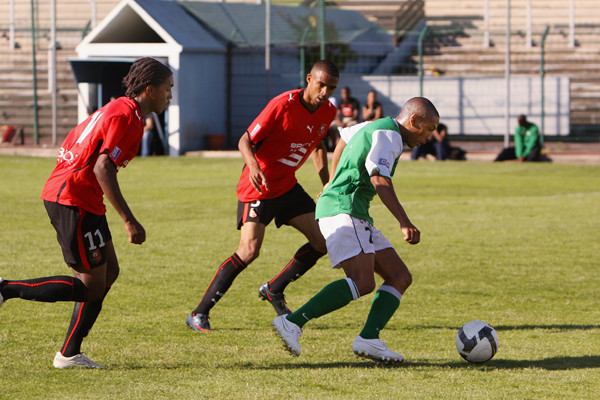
515, 245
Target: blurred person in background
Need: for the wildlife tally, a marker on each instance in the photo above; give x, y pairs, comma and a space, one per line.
528, 143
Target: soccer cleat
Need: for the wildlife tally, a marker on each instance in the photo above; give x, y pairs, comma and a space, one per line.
198, 322
76, 361
289, 332
375, 349
1, 298
277, 300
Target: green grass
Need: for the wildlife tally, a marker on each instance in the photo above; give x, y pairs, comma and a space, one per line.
511, 244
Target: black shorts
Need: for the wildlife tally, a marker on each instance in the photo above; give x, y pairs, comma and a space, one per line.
283, 208
81, 234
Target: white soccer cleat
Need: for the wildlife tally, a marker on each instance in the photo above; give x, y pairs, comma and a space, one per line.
375, 349
76, 361
289, 332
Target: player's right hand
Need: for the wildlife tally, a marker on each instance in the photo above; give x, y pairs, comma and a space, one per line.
258, 178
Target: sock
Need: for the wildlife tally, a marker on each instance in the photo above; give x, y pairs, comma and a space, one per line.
48, 289
83, 318
385, 304
332, 297
222, 280
303, 260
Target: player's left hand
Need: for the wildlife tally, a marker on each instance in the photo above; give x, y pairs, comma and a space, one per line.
136, 232
411, 234
321, 192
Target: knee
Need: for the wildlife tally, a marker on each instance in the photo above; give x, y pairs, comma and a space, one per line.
95, 292
406, 281
319, 245
403, 281
365, 285
248, 253
112, 273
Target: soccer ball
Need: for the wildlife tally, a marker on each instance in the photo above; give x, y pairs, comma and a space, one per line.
477, 342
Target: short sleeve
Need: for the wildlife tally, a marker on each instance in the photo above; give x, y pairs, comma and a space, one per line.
260, 128
122, 139
386, 147
348, 133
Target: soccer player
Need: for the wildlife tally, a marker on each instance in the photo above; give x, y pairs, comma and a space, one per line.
363, 164
275, 145
86, 169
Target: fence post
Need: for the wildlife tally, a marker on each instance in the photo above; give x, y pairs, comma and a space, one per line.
36, 134
542, 74
420, 47
322, 27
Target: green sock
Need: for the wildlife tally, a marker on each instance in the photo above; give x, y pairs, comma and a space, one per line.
385, 304
332, 297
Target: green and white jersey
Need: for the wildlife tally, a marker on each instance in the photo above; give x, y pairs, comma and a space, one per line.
370, 146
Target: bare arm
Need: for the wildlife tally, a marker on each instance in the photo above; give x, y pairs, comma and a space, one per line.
256, 175
365, 113
319, 157
337, 153
378, 112
386, 193
106, 174
355, 114
339, 118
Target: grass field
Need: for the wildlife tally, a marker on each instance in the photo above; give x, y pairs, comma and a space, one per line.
515, 245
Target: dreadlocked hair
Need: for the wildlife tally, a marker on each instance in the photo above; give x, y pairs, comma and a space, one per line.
145, 71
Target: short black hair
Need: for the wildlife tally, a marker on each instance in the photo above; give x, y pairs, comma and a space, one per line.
326, 66
144, 72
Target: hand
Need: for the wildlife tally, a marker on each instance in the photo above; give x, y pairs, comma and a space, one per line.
322, 190
411, 234
257, 178
136, 232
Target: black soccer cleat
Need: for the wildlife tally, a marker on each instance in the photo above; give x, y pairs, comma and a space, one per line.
277, 300
198, 322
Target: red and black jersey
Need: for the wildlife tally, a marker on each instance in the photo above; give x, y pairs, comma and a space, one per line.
284, 134
116, 129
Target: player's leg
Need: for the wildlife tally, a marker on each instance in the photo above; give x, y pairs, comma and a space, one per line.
306, 256
47, 289
97, 268
251, 238
339, 293
396, 279
349, 247
297, 210
75, 228
85, 313
332, 297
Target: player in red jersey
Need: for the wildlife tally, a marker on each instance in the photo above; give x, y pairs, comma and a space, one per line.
287, 131
86, 169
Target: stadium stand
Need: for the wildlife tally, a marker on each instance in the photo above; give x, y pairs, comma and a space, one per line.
454, 47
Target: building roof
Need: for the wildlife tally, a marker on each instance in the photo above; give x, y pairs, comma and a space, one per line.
244, 24
153, 22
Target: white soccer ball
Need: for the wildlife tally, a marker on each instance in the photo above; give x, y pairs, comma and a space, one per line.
477, 342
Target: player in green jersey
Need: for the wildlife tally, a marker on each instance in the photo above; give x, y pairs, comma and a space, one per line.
364, 162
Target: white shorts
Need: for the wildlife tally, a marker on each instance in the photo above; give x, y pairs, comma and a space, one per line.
347, 237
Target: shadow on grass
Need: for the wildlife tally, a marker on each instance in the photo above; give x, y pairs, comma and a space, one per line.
559, 327
551, 364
